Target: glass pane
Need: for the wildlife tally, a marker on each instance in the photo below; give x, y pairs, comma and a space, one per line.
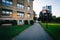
28, 15
3, 12
28, 1
3, 0
10, 12
7, 12
20, 21
11, 3
18, 5
6, 3
21, 15
28, 8
18, 13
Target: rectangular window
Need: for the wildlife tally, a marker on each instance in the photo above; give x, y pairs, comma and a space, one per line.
21, 6
7, 2
6, 12
20, 21
21, 14
28, 1
29, 15
28, 8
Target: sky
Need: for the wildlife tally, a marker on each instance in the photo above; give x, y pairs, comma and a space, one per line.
38, 4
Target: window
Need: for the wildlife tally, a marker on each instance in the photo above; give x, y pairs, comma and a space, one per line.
21, 14
6, 12
29, 15
28, 8
20, 21
21, 6
22, 0
28, 1
7, 2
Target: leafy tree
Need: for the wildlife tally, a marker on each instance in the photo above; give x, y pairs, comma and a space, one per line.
53, 18
58, 19
45, 16
34, 15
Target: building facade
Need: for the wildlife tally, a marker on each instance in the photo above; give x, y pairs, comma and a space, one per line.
17, 10
48, 7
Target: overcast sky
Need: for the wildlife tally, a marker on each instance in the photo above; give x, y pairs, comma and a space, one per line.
38, 4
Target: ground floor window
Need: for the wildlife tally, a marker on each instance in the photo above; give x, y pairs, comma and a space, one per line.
20, 22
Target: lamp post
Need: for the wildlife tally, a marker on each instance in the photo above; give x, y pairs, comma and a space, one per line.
46, 20
46, 15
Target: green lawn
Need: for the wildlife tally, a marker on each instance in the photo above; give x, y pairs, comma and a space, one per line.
53, 29
8, 32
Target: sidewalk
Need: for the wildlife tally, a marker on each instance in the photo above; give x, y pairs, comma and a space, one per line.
35, 32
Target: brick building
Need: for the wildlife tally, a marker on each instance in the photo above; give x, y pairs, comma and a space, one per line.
16, 10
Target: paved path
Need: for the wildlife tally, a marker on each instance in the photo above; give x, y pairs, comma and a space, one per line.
35, 32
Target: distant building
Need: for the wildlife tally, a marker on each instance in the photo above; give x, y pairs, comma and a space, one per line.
18, 10
46, 13
49, 8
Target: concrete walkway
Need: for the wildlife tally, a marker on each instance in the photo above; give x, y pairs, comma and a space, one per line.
35, 32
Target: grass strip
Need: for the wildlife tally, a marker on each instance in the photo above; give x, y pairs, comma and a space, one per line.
53, 29
8, 32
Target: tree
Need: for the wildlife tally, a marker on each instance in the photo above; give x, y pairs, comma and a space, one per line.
45, 16
34, 15
58, 19
53, 18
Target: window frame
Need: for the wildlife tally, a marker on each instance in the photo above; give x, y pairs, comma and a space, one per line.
28, 8
21, 6
21, 14
7, 12
28, 1
7, 2
29, 15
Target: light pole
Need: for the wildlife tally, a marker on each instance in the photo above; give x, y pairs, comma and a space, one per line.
46, 19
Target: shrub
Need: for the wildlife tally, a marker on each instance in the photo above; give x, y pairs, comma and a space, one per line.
14, 22
31, 22
25, 21
0, 22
